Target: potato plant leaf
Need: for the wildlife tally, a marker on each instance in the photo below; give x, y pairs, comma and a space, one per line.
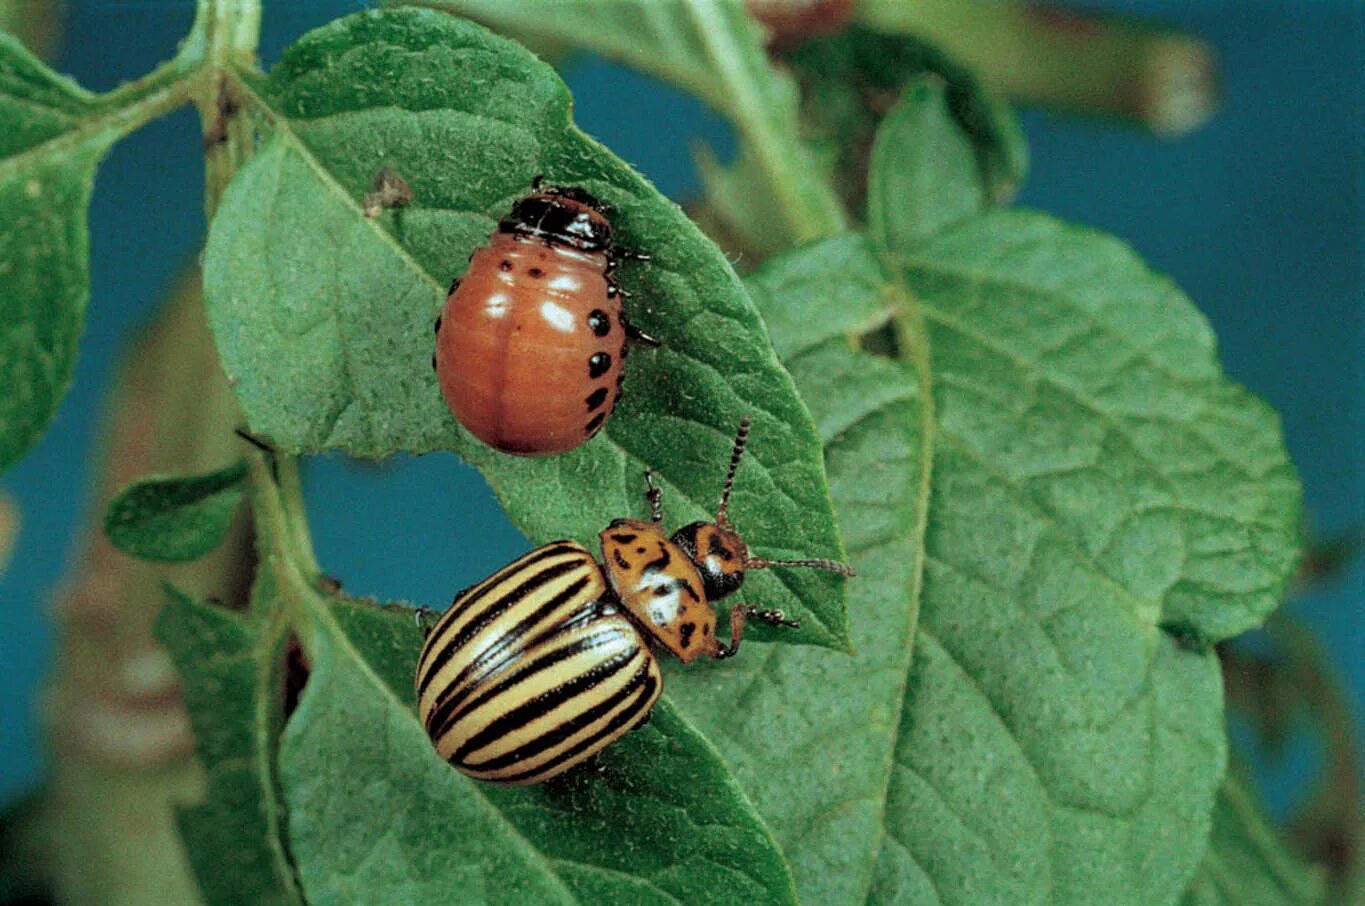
713, 49
52, 136
847, 84
934, 181
324, 316
1085, 524
229, 668
657, 819
810, 733
174, 518
1246, 862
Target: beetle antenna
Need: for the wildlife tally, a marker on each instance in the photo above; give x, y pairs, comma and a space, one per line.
741, 438
833, 566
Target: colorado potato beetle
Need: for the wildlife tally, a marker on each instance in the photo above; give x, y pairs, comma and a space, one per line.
549, 660
531, 343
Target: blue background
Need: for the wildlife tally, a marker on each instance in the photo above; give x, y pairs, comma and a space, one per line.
1258, 215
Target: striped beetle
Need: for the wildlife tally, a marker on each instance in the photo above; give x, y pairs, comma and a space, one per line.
548, 661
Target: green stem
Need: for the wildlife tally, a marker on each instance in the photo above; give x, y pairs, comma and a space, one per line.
806, 202
1112, 66
226, 33
225, 36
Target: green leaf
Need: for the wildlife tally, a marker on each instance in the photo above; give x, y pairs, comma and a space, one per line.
847, 81
1050, 741
713, 49
229, 668
52, 136
809, 733
323, 316
925, 178
1246, 862
1090, 386
47, 167
175, 517
657, 821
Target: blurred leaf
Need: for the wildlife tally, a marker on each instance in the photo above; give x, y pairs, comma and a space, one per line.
36, 23
179, 517
468, 119
1246, 863
849, 82
52, 135
9, 527
51, 138
926, 178
656, 820
229, 667
713, 49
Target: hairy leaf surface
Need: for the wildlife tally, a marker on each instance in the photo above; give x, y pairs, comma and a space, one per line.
810, 733
656, 820
179, 517
1084, 527
324, 316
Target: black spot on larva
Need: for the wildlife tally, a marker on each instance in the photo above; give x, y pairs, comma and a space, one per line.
662, 591
598, 364
705, 629
599, 396
660, 562
639, 550
438, 324
504, 265
686, 630
596, 423
535, 272
623, 539
599, 322
716, 548
620, 561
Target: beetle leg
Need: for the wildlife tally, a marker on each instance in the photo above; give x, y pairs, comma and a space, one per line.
739, 614
635, 333
655, 497
425, 618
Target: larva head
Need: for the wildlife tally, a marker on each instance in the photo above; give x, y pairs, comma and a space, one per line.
720, 554
562, 216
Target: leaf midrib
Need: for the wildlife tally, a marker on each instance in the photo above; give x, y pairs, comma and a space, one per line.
282, 125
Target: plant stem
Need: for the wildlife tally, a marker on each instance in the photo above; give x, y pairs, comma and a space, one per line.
806, 202
1162, 79
224, 36
226, 32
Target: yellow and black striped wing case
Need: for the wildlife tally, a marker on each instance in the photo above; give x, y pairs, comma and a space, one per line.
528, 674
